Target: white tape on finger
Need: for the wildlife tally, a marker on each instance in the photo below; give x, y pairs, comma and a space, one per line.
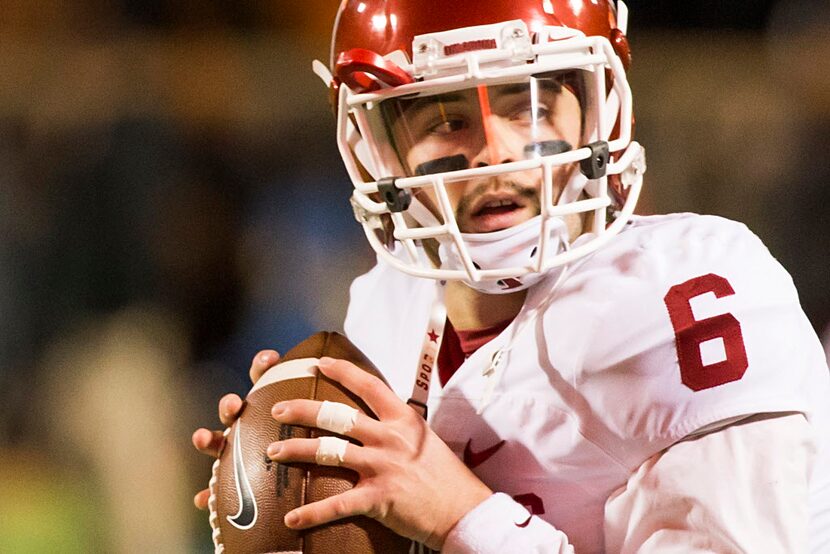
331, 451
336, 417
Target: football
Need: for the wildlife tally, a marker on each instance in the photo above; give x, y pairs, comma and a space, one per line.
250, 494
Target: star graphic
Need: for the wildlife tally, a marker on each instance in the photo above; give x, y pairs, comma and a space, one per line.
433, 336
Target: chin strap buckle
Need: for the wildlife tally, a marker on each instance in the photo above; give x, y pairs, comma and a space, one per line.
596, 166
397, 199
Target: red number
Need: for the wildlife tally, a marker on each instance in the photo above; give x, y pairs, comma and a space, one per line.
690, 333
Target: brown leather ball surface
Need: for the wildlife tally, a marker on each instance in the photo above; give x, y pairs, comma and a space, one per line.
250, 494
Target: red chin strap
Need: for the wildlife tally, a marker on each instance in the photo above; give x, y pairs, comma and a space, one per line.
365, 71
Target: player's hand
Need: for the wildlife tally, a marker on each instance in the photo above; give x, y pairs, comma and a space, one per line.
211, 442
410, 480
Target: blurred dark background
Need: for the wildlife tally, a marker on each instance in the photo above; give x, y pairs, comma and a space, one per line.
172, 201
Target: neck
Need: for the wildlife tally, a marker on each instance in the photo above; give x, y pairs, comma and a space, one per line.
468, 308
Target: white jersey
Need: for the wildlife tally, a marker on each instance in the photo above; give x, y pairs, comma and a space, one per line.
681, 324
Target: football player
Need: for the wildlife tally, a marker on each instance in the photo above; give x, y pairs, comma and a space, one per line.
593, 381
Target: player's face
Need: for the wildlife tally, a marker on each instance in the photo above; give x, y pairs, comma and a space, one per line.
486, 126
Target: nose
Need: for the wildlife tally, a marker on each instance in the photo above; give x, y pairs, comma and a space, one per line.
497, 143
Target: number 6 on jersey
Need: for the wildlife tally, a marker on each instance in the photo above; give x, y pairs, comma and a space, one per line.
690, 333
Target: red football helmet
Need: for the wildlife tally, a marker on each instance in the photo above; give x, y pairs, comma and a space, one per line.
497, 77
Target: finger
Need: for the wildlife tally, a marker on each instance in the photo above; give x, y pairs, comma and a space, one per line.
305, 451
372, 390
208, 442
305, 412
229, 407
353, 502
262, 362
201, 499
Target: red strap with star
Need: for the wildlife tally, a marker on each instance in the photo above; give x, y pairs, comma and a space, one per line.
429, 355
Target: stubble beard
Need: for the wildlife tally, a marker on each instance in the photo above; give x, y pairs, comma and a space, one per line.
528, 193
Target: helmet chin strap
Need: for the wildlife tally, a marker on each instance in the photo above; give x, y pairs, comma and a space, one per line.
513, 247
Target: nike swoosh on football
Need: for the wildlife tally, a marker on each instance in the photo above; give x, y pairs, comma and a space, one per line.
246, 517
473, 459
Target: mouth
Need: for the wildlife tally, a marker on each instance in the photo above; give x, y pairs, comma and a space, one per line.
496, 207
494, 212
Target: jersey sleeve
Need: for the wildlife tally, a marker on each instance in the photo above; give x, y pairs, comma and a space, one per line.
699, 326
